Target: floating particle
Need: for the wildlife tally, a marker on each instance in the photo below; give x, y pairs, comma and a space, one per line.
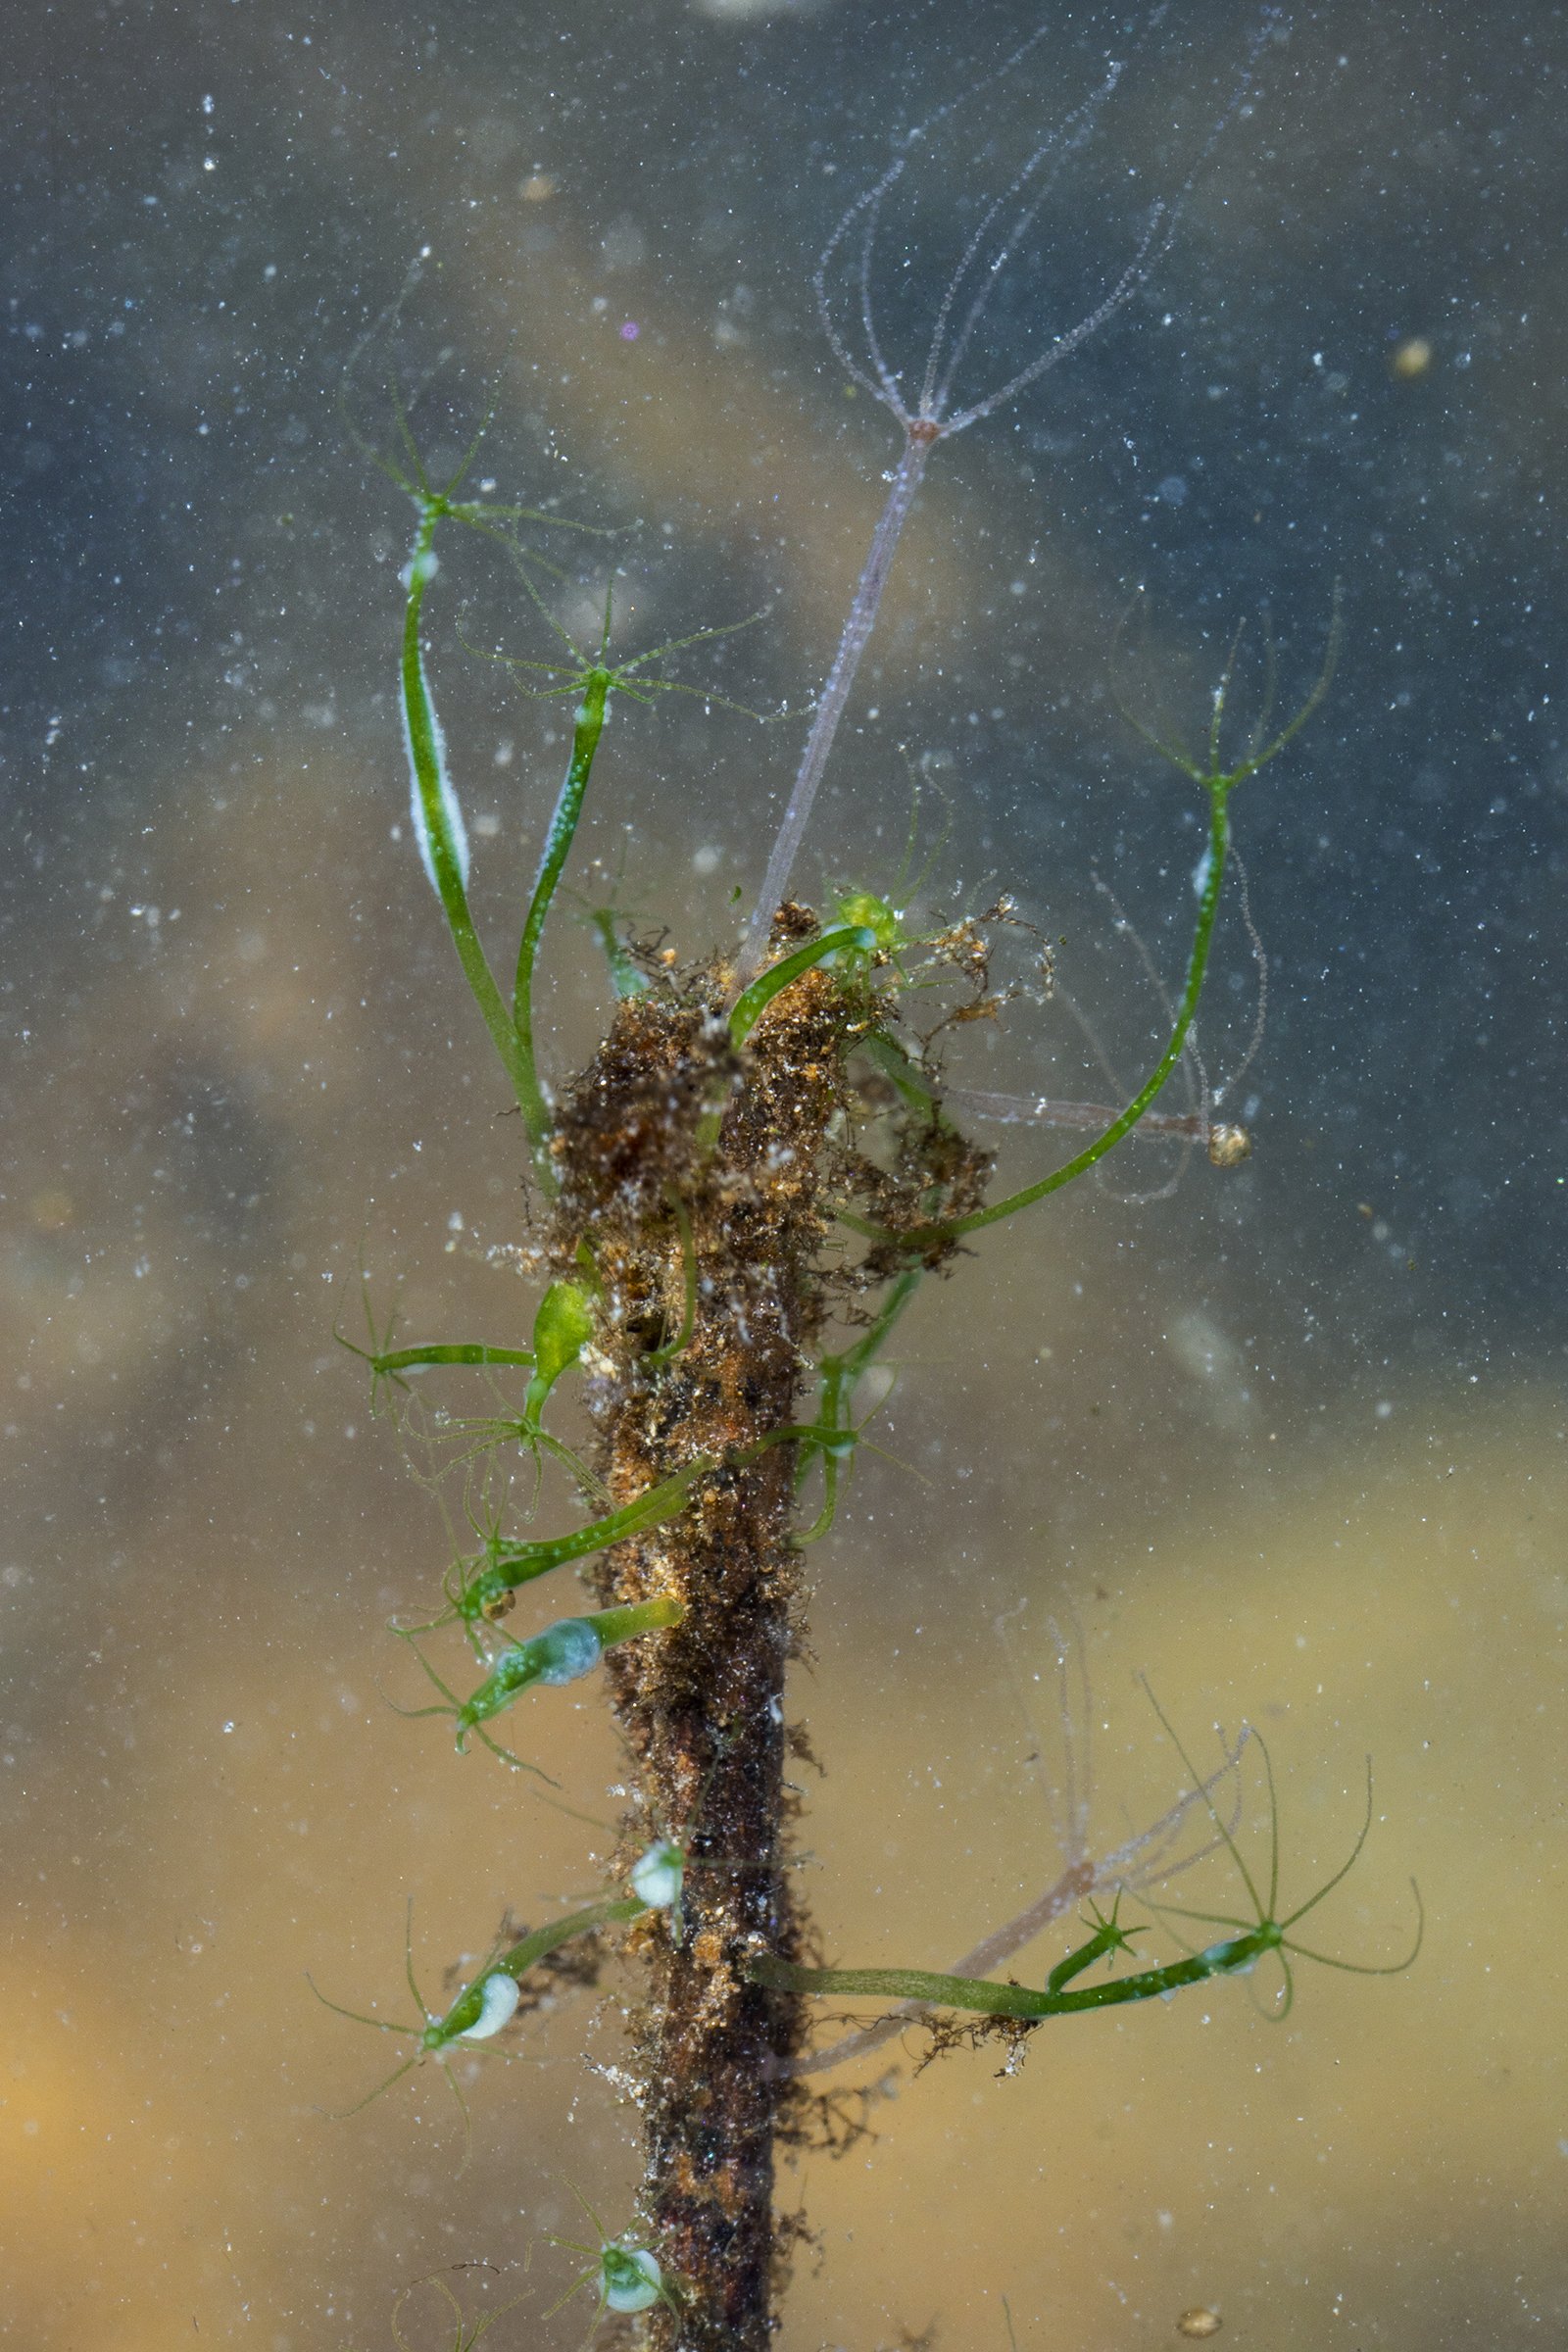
1199, 2321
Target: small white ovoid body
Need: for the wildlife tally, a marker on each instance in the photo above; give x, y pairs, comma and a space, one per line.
633, 2280
498, 2005
657, 1877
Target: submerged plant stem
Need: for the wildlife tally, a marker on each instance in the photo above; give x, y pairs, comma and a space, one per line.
702, 1709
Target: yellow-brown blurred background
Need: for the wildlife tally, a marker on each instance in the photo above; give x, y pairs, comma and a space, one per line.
1290, 1441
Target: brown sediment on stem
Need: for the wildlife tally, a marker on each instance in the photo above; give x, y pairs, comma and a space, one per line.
701, 1707
748, 1147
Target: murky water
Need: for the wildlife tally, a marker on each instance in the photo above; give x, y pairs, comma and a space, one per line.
1290, 1442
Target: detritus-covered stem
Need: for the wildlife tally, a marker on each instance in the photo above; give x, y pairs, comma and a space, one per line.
849, 939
